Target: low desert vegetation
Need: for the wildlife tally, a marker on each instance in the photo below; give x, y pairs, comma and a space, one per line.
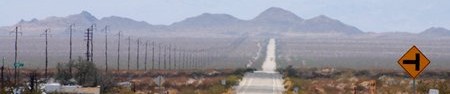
179, 82
332, 80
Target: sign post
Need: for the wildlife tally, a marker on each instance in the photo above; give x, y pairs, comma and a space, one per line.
413, 62
159, 81
223, 82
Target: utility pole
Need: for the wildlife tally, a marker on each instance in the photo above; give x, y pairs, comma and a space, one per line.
129, 51
145, 56
184, 60
88, 44
170, 56
118, 51
197, 59
175, 57
165, 50
194, 64
15, 56
70, 49
209, 58
190, 61
203, 59
193, 60
153, 55
16, 74
92, 42
2, 79
137, 56
106, 48
197, 55
46, 51
159, 56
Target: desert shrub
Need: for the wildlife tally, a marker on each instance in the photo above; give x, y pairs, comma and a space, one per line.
86, 73
107, 83
232, 80
197, 74
62, 74
443, 87
364, 73
242, 71
120, 90
215, 89
289, 71
187, 90
33, 84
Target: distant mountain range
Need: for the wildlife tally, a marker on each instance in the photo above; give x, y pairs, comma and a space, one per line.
436, 31
271, 20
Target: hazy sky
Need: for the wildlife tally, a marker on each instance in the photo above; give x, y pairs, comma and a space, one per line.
367, 15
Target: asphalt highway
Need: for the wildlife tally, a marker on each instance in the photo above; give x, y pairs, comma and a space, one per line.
265, 81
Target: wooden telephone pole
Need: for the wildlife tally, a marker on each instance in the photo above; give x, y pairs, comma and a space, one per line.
170, 56
165, 50
137, 56
183, 64
175, 57
145, 56
90, 44
129, 51
46, 51
16, 74
2, 79
70, 49
118, 51
159, 56
153, 55
106, 48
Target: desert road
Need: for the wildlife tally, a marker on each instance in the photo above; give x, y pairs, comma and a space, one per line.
265, 81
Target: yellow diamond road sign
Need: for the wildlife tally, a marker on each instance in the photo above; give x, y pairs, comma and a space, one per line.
413, 62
